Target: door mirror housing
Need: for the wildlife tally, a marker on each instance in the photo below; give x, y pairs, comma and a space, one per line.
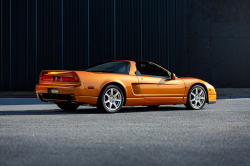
173, 76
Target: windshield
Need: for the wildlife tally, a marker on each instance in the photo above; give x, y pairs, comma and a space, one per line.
121, 67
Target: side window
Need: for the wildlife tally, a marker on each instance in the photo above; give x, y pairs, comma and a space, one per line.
148, 69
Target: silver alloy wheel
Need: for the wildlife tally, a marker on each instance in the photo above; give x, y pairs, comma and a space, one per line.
112, 99
197, 98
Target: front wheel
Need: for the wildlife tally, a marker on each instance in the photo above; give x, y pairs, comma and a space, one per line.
67, 106
196, 98
111, 99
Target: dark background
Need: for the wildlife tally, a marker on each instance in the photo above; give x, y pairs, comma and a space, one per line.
208, 39
218, 42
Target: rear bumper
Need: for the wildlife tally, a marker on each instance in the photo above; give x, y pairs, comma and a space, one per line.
66, 93
62, 89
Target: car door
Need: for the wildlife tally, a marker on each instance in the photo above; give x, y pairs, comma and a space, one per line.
156, 84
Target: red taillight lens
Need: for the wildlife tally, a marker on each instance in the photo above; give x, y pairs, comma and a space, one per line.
41, 76
45, 78
75, 77
68, 79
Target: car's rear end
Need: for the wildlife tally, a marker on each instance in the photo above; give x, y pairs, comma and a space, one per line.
58, 86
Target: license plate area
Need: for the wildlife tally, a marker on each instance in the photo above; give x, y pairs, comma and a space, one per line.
53, 91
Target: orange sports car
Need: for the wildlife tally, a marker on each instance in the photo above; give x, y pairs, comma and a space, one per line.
113, 84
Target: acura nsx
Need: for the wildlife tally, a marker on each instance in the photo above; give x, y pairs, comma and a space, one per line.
113, 84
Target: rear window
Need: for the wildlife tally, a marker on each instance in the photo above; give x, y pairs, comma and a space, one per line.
121, 67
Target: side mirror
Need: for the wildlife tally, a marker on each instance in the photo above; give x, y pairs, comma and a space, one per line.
173, 76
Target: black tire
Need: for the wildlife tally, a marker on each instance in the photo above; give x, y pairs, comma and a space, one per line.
196, 100
112, 104
67, 106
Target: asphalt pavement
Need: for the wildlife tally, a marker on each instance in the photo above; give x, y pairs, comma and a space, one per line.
33, 133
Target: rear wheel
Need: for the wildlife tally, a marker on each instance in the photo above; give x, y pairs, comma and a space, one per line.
67, 106
196, 98
111, 99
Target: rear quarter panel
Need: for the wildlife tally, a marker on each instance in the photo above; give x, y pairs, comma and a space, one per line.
99, 80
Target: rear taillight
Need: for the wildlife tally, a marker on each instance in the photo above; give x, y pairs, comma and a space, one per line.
75, 77
57, 76
43, 77
68, 79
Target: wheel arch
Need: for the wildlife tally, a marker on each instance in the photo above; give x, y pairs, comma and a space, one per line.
204, 86
117, 84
